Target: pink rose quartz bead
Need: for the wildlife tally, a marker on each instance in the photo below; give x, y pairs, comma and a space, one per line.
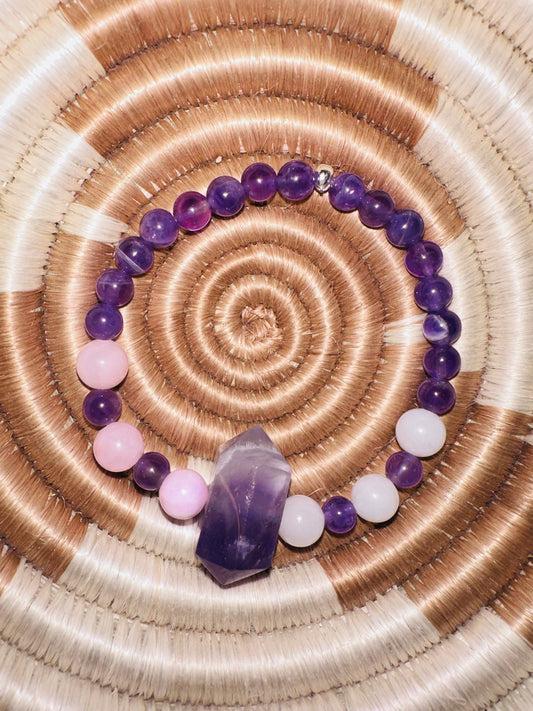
102, 364
118, 446
183, 494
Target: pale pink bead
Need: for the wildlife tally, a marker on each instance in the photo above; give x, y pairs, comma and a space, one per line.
102, 364
118, 446
183, 494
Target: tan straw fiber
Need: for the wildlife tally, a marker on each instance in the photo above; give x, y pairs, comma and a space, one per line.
294, 316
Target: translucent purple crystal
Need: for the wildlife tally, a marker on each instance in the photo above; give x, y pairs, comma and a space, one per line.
404, 470
376, 208
405, 228
259, 182
243, 513
103, 321
101, 407
159, 228
346, 192
150, 471
339, 514
295, 180
114, 287
225, 196
192, 211
423, 259
442, 362
442, 328
438, 396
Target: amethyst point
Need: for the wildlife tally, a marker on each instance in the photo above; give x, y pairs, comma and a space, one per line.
244, 509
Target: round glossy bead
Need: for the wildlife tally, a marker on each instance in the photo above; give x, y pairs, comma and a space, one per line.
339, 514
192, 211
442, 362
118, 446
296, 180
302, 522
150, 470
114, 287
433, 293
346, 192
183, 494
423, 259
134, 256
102, 364
420, 432
375, 498
103, 321
101, 407
436, 395
225, 196
442, 328
404, 470
159, 228
405, 228
376, 208
259, 182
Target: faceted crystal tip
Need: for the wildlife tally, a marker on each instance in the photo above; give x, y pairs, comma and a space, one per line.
243, 513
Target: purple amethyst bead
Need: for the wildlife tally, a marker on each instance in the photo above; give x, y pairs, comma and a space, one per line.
438, 396
259, 182
433, 293
404, 470
192, 211
150, 471
339, 514
159, 228
442, 362
376, 208
225, 196
243, 513
346, 192
442, 328
103, 321
134, 256
114, 287
405, 228
102, 407
423, 259
296, 180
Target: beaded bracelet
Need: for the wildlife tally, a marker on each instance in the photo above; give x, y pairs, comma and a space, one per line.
246, 507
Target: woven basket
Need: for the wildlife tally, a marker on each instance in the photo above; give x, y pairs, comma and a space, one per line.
112, 107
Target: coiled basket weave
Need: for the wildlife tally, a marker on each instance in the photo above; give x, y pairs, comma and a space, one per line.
293, 316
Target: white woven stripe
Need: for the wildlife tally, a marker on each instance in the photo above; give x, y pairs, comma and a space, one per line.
385, 656
88, 223
512, 19
150, 585
18, 17
43, 70
450, 42
494, 207
41, 618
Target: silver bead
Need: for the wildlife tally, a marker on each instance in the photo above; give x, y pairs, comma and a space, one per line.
324, 178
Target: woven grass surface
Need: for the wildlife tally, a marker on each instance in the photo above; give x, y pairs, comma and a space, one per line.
293, 316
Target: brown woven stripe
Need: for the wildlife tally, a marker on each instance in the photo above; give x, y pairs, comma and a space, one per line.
515, 604
493, 548
119, 29
9, 562
189, 72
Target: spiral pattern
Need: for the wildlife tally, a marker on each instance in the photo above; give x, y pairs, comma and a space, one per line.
294, 316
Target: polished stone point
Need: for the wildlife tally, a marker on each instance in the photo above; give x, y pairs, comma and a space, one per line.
244, 509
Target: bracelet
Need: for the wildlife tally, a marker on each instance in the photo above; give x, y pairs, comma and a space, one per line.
247, 507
